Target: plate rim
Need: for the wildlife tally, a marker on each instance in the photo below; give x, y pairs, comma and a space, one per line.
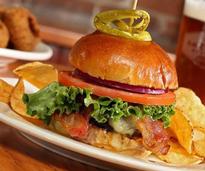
26, 55
76, 146
49, 146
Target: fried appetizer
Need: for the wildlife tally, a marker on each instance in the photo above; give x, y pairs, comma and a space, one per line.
2, 10
23, 28
4, 35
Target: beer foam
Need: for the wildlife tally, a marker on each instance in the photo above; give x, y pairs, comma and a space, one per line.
195, 9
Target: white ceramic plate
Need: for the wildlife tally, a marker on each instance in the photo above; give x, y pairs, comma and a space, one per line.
60, 143
40, 53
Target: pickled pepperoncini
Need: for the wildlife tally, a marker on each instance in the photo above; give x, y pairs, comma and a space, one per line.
130, 24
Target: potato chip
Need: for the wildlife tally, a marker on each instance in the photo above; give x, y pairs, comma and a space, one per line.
191, 106
38, 74
178, 156
5, 91
16, 101
199, 141
182, 128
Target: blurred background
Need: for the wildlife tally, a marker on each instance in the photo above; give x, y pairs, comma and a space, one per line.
76, 16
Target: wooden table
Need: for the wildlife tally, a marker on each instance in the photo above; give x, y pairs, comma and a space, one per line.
19, 154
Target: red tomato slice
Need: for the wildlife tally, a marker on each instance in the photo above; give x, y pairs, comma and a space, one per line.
163, 99
75, 124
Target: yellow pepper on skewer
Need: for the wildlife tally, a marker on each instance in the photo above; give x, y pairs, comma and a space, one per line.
130, 24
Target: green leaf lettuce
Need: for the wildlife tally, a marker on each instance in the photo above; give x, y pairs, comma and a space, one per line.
56, 98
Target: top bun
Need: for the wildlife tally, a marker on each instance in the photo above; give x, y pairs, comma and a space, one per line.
124, 60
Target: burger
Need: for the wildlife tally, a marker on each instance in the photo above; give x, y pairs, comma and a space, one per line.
119, 87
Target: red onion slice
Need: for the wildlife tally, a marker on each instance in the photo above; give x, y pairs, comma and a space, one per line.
121, 86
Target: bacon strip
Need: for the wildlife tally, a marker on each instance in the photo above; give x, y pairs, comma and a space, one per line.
155, 137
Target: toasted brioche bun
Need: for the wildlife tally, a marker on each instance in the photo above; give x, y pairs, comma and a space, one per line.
124, 60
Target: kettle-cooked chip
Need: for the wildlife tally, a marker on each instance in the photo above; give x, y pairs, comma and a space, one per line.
191, 106
178, 156
37, 73
5, 91
16, 101
183, 130
199, 141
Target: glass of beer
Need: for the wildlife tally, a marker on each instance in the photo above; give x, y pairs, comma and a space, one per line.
190, 61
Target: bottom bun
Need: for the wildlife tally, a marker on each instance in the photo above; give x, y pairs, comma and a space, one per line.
111, 141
